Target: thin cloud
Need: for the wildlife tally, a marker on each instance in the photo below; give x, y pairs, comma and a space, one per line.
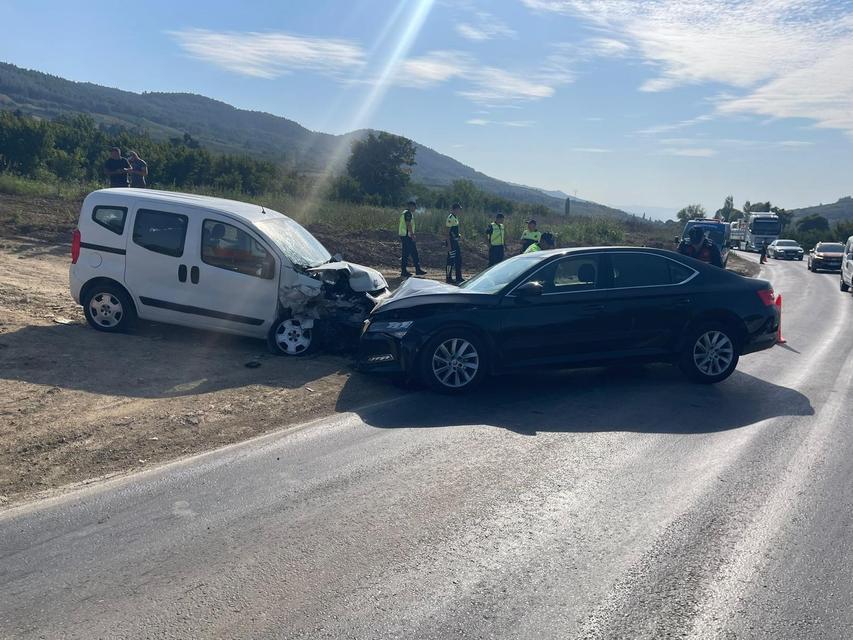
691, 152
785, 58
795, 143
270, 54
591, 150
482, 122
484, 84
485, 26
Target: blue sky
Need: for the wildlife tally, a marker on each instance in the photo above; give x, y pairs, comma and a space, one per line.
626, 102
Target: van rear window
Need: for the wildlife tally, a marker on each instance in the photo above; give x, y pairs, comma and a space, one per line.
111, 218
160, 232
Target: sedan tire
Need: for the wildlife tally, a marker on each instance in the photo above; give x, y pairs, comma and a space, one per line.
710, 353
453, 361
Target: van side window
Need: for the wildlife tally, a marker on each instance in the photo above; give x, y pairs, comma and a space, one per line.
160, 232
111, 218
227, 247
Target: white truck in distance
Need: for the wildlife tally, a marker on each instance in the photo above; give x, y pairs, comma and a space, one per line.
761, 228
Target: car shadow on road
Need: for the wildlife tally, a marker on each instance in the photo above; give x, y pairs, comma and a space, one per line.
653, 399
154, 361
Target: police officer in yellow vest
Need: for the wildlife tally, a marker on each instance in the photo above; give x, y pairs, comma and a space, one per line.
496, 236
408, 248
454, 251
530, 235
546, 241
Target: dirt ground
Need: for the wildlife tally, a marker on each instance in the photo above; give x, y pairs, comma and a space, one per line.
76, 404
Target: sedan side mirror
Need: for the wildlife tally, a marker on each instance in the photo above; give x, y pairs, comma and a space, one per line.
529, 289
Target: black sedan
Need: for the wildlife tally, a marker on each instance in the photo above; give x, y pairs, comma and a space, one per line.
571, 308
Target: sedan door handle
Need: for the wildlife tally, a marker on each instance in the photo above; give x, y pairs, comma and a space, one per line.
182, 273
194, 275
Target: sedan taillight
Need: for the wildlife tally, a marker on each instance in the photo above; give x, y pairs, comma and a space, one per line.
767, 297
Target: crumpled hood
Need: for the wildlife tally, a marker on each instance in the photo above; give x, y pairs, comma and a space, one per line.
417, 286
361, 279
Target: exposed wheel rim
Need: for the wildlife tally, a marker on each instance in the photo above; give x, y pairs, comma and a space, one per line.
713, 353
455, 363
106, 310
292, 338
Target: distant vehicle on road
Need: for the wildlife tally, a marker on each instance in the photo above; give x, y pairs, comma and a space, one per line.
719, 233
571, 308
785, 250
737, 237
211, 263
826, 256
762, 228
847, 266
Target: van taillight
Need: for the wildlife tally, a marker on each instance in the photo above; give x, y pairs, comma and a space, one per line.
767, 297
75, 246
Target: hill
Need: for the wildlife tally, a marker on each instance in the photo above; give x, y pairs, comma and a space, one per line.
835, 212
224, 128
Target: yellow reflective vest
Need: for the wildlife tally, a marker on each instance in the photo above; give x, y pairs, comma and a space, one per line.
531, 235
496, 237
533, 248
403, 228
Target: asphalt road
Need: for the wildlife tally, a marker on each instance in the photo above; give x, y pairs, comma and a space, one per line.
594, 504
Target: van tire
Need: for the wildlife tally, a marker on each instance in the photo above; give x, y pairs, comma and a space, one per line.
844, 286
287, 337
108, 308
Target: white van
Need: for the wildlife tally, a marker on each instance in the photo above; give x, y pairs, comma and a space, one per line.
847, 266
213, 264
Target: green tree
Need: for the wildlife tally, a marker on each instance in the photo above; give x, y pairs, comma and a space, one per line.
690, 212
813, 223
747, 207
381, 164
725, 213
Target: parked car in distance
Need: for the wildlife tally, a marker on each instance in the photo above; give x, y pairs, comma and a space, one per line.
826, 256
211, 263
785, 250
847, 266
571, 308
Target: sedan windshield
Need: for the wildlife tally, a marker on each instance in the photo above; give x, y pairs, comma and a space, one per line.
786, 243
830, 247
499, 276
295, 242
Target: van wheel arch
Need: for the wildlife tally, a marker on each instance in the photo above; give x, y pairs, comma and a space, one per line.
115, 311
95, 282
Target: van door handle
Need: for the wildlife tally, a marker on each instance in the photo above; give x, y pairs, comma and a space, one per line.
194, 275
182, 273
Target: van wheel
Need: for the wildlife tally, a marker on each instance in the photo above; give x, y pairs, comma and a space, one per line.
453, 362
288, 337
108, 308
844, 286
710, 354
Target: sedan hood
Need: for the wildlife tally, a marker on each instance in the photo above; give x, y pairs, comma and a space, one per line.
361, 279
420, 286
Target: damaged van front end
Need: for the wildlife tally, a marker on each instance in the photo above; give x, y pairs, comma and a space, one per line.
325, 306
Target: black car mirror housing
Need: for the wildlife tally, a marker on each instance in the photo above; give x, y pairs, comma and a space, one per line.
529, 289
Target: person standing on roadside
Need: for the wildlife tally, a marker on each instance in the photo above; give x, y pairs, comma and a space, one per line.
496, 237
138, 170
546, 241
408, 247
762, 253
454, 251
117, 168
530, 235
696, 245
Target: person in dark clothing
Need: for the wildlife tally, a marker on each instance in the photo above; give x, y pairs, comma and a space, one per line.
496, 237
454, 251
698, 246
138, 170
117, 168
763, 253
408, 248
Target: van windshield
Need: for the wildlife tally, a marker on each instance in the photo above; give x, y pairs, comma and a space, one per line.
295, 242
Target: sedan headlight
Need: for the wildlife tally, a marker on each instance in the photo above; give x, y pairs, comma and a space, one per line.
396, 328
